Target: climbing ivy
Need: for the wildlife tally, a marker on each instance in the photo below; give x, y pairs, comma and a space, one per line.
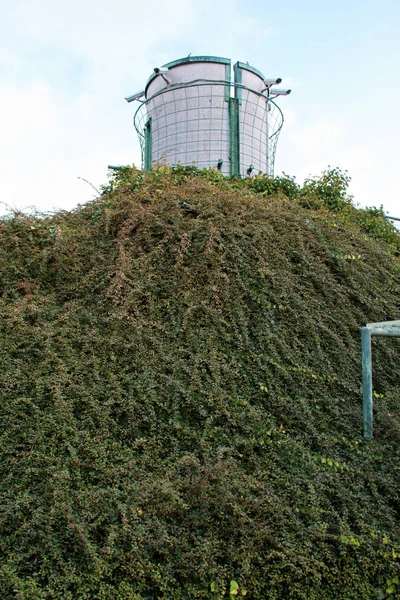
181, 404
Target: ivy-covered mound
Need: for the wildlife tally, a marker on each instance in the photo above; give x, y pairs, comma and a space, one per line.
180, 381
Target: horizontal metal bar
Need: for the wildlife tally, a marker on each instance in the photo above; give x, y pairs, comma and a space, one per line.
385, 331
384, 324
207, 82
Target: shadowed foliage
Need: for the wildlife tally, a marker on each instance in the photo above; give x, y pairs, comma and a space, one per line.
181, 393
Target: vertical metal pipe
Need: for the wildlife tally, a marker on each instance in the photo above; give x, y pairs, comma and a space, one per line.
234, 134
367, 381
147, 146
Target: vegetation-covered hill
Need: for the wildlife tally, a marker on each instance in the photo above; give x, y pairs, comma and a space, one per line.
180, 381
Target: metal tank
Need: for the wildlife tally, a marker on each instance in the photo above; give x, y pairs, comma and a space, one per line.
192, 113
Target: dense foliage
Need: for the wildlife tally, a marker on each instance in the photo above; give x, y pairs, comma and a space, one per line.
180, 394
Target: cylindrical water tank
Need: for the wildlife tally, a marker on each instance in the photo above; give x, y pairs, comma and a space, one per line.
195, 115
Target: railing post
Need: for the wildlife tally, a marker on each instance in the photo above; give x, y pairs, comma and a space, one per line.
367, 381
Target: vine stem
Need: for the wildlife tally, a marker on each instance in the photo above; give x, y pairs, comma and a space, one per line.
91, 185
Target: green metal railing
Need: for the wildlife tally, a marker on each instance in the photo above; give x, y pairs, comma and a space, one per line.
387, 328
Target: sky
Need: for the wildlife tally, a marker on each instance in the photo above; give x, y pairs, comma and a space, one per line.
66, 67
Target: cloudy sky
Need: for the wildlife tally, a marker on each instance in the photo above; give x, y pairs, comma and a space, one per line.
66, 66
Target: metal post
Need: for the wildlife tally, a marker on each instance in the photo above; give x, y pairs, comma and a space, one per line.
234, 133
367, 381
147, 146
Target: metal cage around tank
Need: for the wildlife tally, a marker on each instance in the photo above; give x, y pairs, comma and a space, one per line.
193, 114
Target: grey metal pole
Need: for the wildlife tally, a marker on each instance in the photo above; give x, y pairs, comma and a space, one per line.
367, 381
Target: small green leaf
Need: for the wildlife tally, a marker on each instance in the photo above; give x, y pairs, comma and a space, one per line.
214, 587
390, 589
233, 590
